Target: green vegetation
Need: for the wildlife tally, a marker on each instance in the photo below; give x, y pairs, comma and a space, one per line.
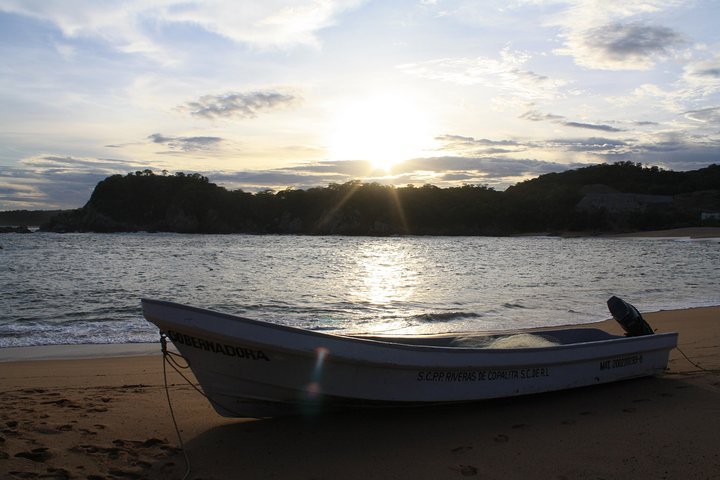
599, 198
26, 218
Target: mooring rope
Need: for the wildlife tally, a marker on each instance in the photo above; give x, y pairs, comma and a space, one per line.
693, 363
167, 359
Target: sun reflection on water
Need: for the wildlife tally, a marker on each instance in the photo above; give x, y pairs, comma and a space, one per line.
386, 274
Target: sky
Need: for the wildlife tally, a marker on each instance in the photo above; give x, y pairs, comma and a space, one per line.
297, 94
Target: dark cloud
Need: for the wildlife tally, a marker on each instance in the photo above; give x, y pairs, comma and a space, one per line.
592, 126
626, 41
536, 116
713, 72
186, 144
68, 164
709, 115
455, 143
487, 167
475, 142
46, 189
236, 104
477, 147
673, 155
57, 181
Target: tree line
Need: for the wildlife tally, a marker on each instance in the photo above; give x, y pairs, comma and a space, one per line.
190, 203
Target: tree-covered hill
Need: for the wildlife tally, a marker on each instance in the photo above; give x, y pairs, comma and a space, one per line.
618, 197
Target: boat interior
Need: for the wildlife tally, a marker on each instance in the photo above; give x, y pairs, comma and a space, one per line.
539, 339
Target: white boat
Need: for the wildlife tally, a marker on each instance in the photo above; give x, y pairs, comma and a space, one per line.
249, 368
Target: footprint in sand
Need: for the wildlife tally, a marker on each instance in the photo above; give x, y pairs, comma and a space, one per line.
501, 438
461, 449
465, 470
126, 474
62, 402
36, 455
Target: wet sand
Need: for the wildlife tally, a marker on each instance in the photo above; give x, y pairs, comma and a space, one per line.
108, 418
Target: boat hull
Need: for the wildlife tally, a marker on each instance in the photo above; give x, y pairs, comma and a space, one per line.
255, 369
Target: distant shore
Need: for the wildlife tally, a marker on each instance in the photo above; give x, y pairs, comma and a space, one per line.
693, 232
107, 417
689, 232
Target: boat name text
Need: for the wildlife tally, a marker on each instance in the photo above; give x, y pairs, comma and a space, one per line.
221, 348
482, 375
621, 362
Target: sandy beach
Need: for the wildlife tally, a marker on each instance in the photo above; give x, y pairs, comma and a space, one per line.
108, 418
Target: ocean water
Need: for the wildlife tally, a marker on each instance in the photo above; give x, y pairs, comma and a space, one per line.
86, 288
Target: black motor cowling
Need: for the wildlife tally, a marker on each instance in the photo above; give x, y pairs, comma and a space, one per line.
628, 317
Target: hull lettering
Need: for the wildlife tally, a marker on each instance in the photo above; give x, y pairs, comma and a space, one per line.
457, 376
621, 362
215, 347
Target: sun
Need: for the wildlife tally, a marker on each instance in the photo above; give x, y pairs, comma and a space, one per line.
383, 129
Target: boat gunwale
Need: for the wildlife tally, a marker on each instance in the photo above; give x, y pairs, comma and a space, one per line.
393, 347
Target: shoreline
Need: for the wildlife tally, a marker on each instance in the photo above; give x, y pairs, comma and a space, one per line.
77, 351
691, 233
682, 232
108, 418
85, 351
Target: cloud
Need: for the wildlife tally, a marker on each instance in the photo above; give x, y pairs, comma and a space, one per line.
56, 181
469, 146
591, 126
235, 104
675, 153
460, 140
536, 116
351, 168
592, 144
271, 23
53, 181
458, 147
186, 144
65, 164
622, 46
132, 27
503, 74
705, 115
703, 76
495, 169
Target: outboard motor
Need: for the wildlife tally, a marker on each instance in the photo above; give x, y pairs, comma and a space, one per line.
628, 317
